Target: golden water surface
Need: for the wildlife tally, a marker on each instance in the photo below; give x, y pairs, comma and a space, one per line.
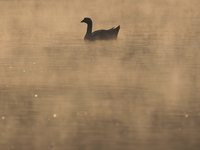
139, 92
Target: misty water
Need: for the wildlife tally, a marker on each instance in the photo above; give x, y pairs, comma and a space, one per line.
139, 92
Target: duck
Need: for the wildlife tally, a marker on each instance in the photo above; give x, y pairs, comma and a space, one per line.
99, 34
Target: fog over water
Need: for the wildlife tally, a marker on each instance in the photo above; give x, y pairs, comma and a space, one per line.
139, 92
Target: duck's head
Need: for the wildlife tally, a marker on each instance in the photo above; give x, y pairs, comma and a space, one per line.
87, 20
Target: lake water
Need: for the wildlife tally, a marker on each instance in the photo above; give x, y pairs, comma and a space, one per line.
139, 92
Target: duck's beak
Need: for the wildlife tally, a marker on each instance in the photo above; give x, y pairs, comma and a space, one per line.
82, 20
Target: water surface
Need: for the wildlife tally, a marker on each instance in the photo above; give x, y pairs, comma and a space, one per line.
138, 92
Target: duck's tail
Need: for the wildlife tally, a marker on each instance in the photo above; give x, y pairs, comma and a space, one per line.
116, 30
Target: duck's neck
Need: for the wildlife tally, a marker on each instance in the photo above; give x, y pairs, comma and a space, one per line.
89, 31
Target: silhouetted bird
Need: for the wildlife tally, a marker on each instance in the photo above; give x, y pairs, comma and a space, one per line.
99, 34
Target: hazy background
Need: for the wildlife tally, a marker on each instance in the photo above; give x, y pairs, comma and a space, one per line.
140, 92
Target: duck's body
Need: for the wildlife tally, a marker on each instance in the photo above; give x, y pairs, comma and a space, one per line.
99, 34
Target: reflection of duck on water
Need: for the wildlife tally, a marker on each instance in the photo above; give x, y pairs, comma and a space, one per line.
99, 34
